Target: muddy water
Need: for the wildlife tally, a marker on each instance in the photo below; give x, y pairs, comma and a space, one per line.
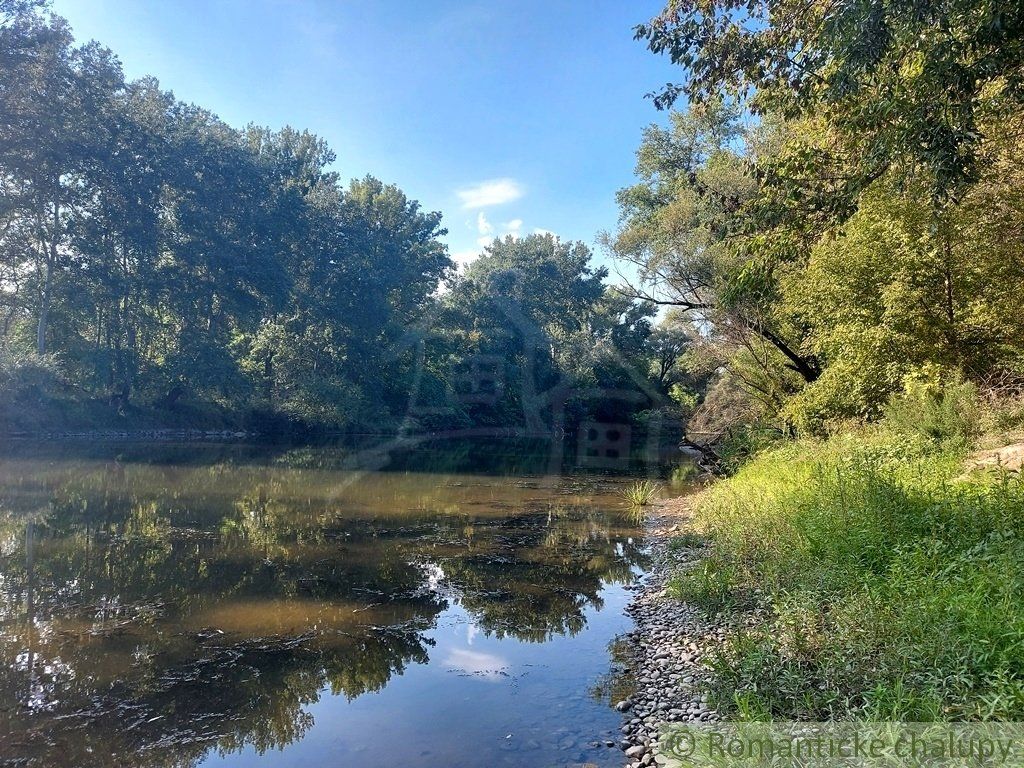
187, 606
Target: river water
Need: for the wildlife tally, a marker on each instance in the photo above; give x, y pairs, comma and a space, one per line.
230, 606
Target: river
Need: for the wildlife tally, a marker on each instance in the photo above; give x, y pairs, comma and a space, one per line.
204, 605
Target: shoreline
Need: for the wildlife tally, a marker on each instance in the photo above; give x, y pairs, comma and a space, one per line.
670, 643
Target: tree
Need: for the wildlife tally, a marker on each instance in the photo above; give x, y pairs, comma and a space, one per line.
667, 344
863, 249
161, 255
686, 227
536, 309
375, 261
903, 83
905, 288
58, 100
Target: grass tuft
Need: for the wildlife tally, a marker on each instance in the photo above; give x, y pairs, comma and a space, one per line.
641, 493
686, 540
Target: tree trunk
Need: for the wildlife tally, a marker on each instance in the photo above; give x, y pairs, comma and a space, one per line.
44, 308
806, 367
51, 262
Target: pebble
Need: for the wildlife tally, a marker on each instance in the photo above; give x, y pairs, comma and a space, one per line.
667, 649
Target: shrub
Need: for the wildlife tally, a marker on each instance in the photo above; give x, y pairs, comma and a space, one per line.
710, 584
27, 381
939, 411
25, 374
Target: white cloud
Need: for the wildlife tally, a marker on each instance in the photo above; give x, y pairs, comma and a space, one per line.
484, 665
487, 232
464, 258
539, 231
491, 192
483, 226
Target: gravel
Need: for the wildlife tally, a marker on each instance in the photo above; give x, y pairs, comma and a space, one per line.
667, 648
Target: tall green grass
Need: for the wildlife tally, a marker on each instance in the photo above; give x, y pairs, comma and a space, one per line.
893, 590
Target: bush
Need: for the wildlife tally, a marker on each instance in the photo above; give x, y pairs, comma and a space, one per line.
25, 374
710, 584
738, 445
848, 390
938, 411
27, 381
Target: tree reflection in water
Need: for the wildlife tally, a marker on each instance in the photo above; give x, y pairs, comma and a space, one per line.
153, 612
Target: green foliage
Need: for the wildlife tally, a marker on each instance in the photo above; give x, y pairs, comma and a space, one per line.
823, 321
683, 397
161, 258
535, 312
689, 228
172, 265
744, 441
25, 379
894, 592
939, 412
685, 540
709, 584
683, 226
668, 346
904, 289
904, 83
642, 493
865, 227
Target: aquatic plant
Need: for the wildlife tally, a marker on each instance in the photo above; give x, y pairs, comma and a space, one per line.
641, 493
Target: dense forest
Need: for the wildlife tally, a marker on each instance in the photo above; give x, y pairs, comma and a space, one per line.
810, 234
158, 267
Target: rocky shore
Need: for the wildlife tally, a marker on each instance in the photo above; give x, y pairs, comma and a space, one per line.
669, 646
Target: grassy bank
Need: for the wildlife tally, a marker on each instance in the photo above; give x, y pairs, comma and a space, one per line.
895, 581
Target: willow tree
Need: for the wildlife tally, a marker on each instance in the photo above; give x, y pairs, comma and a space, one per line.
687, 228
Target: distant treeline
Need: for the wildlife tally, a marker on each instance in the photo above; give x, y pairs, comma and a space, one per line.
158, 266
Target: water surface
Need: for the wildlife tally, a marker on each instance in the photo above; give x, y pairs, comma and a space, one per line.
190, 606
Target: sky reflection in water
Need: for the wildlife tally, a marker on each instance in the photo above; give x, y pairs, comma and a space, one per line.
162, 609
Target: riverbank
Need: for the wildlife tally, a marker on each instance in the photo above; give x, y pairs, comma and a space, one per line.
673, 641
877, 575
874, 575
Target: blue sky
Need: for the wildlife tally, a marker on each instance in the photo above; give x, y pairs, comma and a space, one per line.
505, 116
